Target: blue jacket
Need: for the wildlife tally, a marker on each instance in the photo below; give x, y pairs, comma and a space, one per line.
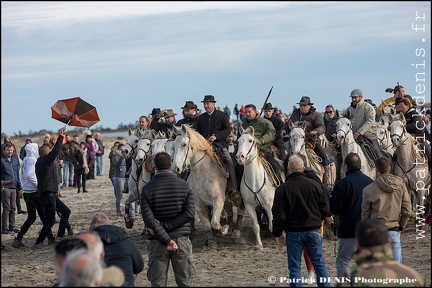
346, 199
10, 171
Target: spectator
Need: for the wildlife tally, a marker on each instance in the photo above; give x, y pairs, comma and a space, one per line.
119, 249
81, 269
68, 167
99, 154
299, 207
345, 201
23, 151
167, 208
373, 256
10, 167
387, 199
62, 249
91, 150
74, 145
119, 164
47, 179
81, 158
111, 169
236, 111
29, 183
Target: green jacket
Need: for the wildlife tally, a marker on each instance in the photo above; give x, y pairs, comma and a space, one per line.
263, 130
376, 267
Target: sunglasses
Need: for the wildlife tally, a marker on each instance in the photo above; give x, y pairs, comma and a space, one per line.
328, 112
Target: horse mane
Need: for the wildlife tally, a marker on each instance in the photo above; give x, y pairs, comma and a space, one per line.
199, 142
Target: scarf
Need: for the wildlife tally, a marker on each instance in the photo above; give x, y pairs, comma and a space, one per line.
84, 165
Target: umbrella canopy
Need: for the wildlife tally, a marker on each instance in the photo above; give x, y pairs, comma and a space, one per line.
75, 112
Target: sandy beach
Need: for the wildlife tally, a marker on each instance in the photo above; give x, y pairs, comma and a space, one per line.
234, 263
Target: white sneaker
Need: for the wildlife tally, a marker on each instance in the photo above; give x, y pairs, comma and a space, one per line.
310, 279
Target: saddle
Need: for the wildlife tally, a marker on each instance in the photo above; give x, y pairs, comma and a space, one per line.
367, 148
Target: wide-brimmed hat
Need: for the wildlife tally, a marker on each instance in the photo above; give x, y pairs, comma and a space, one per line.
155, 111
268, 106
169, 113
356, 92
190, 105
305, 100
209, 98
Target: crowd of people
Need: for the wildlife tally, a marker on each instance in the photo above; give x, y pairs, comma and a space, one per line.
365, 207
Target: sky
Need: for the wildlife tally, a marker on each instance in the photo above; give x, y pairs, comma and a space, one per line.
126, 58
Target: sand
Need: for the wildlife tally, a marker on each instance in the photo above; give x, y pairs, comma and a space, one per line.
234, 263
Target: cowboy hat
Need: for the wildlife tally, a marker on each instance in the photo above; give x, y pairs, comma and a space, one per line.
189, 105
305, 100
155, 111
268, 106
169, 113
209, 98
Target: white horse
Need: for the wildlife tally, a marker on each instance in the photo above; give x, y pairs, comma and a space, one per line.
298, 146
207, 178
144, 159
348, 144
410, 165
130, 150
383, 136
256, 187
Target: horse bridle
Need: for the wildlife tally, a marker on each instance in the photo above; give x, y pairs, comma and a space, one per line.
346, 133
400, 136
304, 141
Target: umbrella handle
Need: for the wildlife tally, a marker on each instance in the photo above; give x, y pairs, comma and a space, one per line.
69, 119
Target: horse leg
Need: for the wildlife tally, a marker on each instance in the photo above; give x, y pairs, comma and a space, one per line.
202, 211
255, 226
215, 222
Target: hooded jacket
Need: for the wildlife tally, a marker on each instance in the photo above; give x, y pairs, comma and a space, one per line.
28, 172
121, 251
387, 199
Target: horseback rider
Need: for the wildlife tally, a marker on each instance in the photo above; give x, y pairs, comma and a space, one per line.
363, 121
190, 113
166, 126
265, 132
330, 119
315, 127
414, 125
214, 126
278, 124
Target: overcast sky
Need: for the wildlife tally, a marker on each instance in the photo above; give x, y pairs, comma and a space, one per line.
127, 57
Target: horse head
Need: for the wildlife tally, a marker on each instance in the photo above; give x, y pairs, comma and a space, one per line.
397, 129
297, 138
246, 144
181, 156
143, 148
343, 129
129, 150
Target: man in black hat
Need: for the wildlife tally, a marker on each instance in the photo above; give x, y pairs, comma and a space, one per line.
315, 127
190, 114
167, 126
278, 125
215, 127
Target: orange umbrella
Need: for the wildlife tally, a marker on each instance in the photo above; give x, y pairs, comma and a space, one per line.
75, 112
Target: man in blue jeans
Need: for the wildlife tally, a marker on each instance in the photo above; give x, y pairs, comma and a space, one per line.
299, 207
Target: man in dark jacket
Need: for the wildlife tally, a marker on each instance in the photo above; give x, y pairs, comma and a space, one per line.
119, 249
167, 208
345, 201
299, 207
48, 187
190, 114
278, 125
214, 126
